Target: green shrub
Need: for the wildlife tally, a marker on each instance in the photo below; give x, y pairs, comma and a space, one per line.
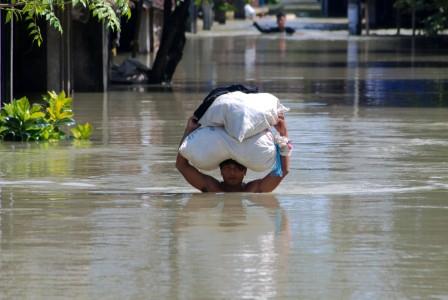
82, 131
20, 121
431, 15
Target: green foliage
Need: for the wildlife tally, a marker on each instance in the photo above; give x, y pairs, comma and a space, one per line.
432, 14
51, 18
102, 10
34, 31
59, 110
107, 11
437, 21
82, 131
225, 6
19, 121
408, 5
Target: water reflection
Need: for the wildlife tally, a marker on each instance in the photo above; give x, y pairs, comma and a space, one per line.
250, 56
171, 246
151, 245
246, 238
396, 72
43, 251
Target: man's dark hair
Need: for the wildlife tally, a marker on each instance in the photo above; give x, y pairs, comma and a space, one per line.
280, 15
231, 161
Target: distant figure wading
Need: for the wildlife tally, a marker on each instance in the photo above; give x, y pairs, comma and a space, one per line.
281, 26
232, 172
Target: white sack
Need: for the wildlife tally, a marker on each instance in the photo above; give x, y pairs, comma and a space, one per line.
206, 147
243, 115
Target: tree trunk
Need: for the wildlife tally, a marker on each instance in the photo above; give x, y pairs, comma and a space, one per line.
413, 18
135, 42
172, 42
367, 17
398, 19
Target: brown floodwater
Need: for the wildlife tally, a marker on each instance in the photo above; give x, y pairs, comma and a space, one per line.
363, 213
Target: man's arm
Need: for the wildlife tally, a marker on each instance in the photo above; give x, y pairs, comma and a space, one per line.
197, 179
262, 29
270, 181
290, 30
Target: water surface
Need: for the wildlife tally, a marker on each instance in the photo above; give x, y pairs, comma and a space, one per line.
362, 214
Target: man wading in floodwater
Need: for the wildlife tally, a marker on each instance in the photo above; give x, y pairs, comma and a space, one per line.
281, 26
232, 172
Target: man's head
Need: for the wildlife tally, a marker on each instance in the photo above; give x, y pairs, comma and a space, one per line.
281, 21
232, 172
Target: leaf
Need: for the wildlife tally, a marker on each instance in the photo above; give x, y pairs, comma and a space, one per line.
9, 16
3, 129
37, 115
23, 104
36, 108
53, 94
53, 20
13, 123
22, 109
65, 122
82, 132
9, 109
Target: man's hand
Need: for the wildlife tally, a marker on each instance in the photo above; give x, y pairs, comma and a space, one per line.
192, 125
200, 181
281, 126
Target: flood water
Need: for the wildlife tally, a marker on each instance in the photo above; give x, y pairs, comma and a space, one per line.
363, 213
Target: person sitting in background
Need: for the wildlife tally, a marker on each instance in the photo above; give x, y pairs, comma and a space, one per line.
281, 26
249, 11
232, 172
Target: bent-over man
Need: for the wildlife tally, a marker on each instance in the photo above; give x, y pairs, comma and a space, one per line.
231, 171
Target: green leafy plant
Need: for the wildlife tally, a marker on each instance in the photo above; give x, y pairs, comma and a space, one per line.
107, 11
20, 121
82, 131
59, 110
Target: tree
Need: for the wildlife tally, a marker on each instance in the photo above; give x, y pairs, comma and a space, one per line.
172, 41
432, 14
107, 11
410, 6
437, 21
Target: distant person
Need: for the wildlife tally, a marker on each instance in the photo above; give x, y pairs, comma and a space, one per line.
249, 11
281, 26
232, 172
